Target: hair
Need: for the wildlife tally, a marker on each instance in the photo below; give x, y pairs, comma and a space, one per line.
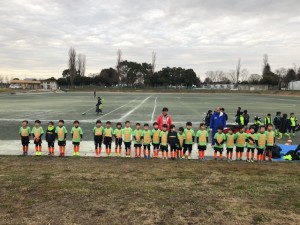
252, 127
165, 109
245, 111
292, 114
222, 109
278, 113
37, 121
108, 122
61, 121
241, 127
172, 126
189, 124
127, 121
98, 121
262, 127
202, 124
220, 128
155, 123
119, 124
146, 125
269, 114
25, 121
76, 121
270, 125
181, 129
165, 126
232, 129
51, 123
138, 124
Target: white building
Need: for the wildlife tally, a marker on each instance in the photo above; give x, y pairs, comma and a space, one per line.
49, 84
294, 85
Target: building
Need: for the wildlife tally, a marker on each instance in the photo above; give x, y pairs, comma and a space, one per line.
294, 85
49, 84
27, 84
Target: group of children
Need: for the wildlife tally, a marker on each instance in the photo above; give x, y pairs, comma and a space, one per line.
179, 143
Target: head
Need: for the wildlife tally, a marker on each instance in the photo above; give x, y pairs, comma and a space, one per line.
180, 130
209, 112
218, 110
289, 142
146, 126
239, 108
270, 127
278, 113
172, 127
269, 115
222, 109
252, 129
202, 126
284, 115
61, 123
189, 125
76, 123
242, 129
220, 129
119, 125
155, 125
165, 111
165, 127
127, 124
292, 115
24, 123
137, 126
37, 123
98, 123
246, 111
231, 130
262, 129
50, 124
108, 124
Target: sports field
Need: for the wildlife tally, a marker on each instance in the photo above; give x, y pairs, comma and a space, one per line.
136, 107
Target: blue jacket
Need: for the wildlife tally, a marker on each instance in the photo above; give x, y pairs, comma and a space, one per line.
216, 120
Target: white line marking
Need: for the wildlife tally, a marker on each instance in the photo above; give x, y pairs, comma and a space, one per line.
135, 108
153, 110
117, 108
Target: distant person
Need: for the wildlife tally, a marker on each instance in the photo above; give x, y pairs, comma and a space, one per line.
293, 123
276, 122
95, 93
99, 106
24, 133
224, 113
207, 118
268, 120
283, 126
216, 121
246, 117
164, 118
238, 114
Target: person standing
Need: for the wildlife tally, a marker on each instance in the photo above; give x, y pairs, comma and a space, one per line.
216, 120
207, 118
164, 118
99, 106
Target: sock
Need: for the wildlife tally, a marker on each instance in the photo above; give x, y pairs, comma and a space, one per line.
167, 155
109, 151
230, 155
203, 153
215, 155
149, 153
252, 155
221, 156
144, 152
116, 150
49, 149
227, 155
270, 155
163, 154
24, 149
190, 154
241, 155
247, 154
36, 148
199, 154
264, 156
53, 150
40, 148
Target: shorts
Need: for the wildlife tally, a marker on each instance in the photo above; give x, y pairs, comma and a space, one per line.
38, 143
98, 139
250, 149
61, 143
201, 147
127, 145
229, 150
164, 148
179, 147
260, 151
155, 146
173, 148
25, 141
147, 146
76, 143
239, 149
51, 144
137, 145
107, 141
119, 142
188, 147
218, 149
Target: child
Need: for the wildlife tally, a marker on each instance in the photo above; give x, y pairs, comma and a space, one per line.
181, 140
293, 123
173, 141
98, 137
270, 142
164, 141
220, 139
268, 120
276, 122
108, 134
155, 139
50, 138
251, 138
230, 140
127, 133
261, 143
283, 127
189, 140
37, 133
240, 139
24, 133
118, 139
77, 136
61, 135
146, 140
202, 140
138, 140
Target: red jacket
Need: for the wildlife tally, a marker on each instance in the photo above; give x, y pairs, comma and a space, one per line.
160, 121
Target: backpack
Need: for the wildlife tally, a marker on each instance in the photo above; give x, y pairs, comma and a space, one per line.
276, 152
295, 154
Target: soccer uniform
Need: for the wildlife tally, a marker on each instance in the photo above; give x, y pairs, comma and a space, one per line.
118, 133
164, 142
173, 142
202, 139
230, 139
98, 138
77, 134
293, 123
240, 142
108, 135
24, 134
219, 144
189, 140
138, 141
261, 145
155, 141
251, 138
50, 138
270, 143
181, 140
127, 134
146, 141
61, 135
37, 134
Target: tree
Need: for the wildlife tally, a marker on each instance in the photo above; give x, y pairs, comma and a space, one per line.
290, 76
109, 77
1, 79
238, 69
153, 64
6, 80
265, 61
119, 60
72, 65
281, 73
81, 64
254, 79
268, 76
232, 76
244, 75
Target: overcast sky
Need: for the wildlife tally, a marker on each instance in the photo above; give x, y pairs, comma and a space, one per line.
35, 35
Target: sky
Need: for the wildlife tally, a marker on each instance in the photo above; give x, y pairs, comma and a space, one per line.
35, 35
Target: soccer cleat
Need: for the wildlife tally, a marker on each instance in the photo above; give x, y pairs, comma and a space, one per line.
252, 160
127, 156
189, 157
183, 157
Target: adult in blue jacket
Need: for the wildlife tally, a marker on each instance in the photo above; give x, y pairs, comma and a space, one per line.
217, 119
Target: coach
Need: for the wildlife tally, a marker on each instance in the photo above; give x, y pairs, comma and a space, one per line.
164, 118
217, 120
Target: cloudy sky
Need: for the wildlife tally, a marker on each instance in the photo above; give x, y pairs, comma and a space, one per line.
35, 35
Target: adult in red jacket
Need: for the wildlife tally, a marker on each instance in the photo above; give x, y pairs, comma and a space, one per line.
164, 118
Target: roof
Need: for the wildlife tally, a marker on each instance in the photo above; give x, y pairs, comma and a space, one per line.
25, 82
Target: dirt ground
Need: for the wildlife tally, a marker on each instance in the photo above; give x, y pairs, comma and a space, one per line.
71, 190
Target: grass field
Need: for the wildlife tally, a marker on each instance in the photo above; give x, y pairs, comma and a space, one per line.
136, 107
129, 191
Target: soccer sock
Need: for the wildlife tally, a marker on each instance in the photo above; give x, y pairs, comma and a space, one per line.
53, 150
236, 155
230, 155
199, 154
135, 149
163, 154
149, 153
227, 155
215, 155
36, 148
264, 156
221, 156
252, 155
181, 153
24, 149
203, 154
116, 150
247, 154
144, 152
241, 155
49, 149
167, 155
190, 153
270, 155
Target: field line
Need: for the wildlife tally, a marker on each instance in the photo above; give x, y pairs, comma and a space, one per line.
153, 110
135, 108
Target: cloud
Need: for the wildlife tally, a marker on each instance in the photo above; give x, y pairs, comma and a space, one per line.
35, 35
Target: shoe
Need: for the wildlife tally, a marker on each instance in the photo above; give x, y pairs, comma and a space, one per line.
149, 157
241, 159
248, 160
127, 156
183, 157
37, 153
49, 154
189, 157
251, 160
215, 159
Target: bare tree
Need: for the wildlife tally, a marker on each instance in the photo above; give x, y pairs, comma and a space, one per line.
238, 69
72, 65
1, 79
244, 75
118, 66
231, 76
254, 78
215, 76
81, 64
6, 80
281, 72
153, 64
265, 60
